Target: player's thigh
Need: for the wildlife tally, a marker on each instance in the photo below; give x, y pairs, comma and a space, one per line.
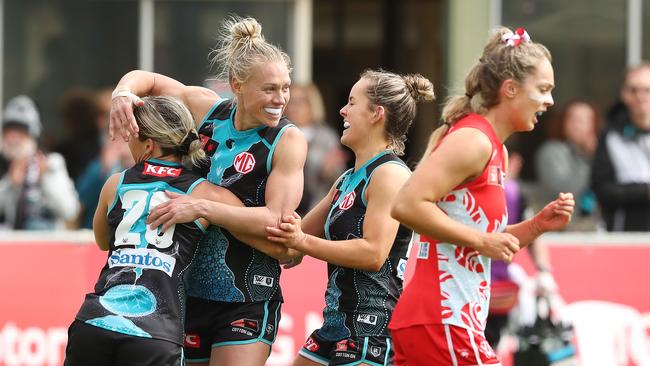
301, 360
252, 354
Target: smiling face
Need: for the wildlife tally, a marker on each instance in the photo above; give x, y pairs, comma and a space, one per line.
262, 98
533, 96
357, 115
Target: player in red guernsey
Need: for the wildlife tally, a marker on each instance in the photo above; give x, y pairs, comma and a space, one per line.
455, 200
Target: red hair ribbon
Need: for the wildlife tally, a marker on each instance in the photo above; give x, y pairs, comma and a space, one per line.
515, 39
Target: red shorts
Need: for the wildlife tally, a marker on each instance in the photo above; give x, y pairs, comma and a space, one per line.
438, 344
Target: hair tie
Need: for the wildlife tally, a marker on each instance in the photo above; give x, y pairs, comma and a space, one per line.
515, 38
184, 147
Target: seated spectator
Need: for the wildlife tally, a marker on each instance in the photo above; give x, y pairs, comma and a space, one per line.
563, 163
326, 159
36, 192
620, 174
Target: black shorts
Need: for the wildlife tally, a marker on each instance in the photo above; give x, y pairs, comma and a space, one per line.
376, 351
210, 324
91, 345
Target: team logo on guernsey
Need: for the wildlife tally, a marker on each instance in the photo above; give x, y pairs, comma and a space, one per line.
244, 162
142, 258
161, 171
192, 341
348, 201
496, 176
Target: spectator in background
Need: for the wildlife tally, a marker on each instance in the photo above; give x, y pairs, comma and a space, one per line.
326, 160
36, 192
563, 163
113, 157
83, 142
620, 174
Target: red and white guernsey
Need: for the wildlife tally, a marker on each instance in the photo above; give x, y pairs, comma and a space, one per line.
451, 284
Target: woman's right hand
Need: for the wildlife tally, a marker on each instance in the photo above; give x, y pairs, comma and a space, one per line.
288, 233
122, 120
500, 246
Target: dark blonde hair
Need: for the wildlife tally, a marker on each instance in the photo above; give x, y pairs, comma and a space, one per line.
169, 123
242, 46
498, 63
398, 94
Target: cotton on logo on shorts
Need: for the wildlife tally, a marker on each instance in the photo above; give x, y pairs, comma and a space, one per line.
244, 162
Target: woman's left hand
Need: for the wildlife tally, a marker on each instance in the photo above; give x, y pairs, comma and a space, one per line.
289, 233
179, 209
556, 215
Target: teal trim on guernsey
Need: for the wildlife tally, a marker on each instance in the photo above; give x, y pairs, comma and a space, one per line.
198, 181
164, 162
350, 180
201, 227
269, 159
116, 190
363, 191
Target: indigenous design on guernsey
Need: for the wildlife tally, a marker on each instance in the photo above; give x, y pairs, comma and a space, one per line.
140, 290
360, 303
460, 274
226, 269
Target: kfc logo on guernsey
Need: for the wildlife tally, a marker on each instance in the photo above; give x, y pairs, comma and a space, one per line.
347, 201
161, 171
244, 162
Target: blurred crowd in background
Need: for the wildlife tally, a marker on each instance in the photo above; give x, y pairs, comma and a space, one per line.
601, 155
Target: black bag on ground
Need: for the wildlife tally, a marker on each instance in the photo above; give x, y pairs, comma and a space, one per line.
545, 343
